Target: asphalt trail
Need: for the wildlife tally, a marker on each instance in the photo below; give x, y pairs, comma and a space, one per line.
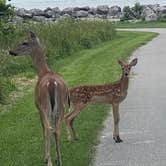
143, 113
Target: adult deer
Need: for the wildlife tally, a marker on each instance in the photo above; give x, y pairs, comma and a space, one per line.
51, 94
113, 93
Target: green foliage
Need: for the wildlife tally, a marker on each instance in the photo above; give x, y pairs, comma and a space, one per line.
127, 14
6, 85
132, 13
6, 13
137, 10
161, 18
69, 36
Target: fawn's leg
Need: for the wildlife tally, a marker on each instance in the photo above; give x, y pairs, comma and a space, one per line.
68, 125
116, 115
70, 119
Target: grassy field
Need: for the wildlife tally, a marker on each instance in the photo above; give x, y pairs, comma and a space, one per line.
153, 24
21, 142
60, 40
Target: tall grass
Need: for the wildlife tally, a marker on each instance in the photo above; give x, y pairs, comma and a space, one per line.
59, 39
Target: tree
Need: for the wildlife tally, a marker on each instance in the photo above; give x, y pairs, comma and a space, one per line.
6, 14
137, 10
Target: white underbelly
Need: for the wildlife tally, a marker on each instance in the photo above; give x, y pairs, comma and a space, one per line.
100, 99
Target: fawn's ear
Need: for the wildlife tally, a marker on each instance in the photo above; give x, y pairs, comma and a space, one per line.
120, 62
134, 62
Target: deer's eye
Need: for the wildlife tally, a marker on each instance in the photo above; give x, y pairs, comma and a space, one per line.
25, 43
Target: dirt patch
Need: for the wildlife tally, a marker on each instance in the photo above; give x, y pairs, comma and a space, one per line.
23, 85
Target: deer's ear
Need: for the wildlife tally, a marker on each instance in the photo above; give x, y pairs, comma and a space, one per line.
134, 62
120, 62
32, 35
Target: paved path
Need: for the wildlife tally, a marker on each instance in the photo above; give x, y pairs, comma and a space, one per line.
143, 113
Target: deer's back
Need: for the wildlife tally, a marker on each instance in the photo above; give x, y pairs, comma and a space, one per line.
41, 89
95, 94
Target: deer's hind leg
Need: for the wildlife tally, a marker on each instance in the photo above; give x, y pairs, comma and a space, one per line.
57, 147
47, 135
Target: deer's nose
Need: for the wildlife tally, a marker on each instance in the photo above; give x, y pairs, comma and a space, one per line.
12, 53
126, 74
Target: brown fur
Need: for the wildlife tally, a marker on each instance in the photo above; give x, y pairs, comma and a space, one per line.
51, 94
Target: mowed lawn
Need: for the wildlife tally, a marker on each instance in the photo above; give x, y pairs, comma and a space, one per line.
143, 24
21, 140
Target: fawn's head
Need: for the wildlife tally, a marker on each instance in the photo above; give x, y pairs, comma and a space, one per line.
26, 47
127, 67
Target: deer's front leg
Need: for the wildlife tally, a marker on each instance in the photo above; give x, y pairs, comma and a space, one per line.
116, 115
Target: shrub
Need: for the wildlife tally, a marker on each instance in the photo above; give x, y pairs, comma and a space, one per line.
6, 29
137, 10
127, 14
132, 13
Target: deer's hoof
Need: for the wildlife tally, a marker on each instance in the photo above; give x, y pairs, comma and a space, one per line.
49, 164
58, 162
46, 161
117, 139
76, 139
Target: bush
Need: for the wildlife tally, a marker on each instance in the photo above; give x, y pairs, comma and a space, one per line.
161, 18
132, 13
6, 14
6, 30
137, 10
127, 14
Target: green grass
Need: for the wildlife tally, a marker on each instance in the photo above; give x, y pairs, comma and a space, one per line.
21, 142
58, 40
61, 39
152, 24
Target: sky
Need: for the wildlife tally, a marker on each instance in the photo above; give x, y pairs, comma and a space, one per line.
42, 4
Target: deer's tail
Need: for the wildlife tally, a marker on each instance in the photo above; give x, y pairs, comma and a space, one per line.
53, 103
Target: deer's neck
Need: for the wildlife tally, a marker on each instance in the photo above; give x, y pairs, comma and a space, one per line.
124, 82
39, 61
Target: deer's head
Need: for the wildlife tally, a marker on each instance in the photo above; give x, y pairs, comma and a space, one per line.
26, 47
127, 67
